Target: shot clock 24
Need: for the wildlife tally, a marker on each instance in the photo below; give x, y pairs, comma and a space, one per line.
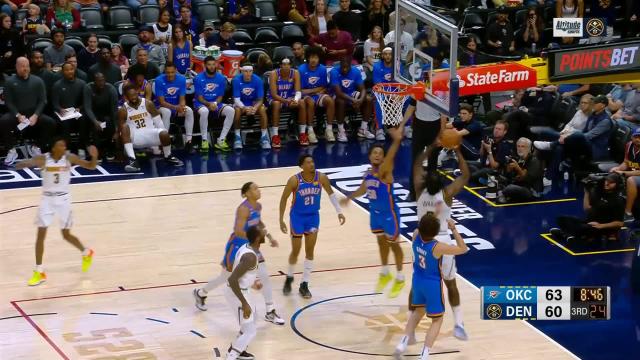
546, 302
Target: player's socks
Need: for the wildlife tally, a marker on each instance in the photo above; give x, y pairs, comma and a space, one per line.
308, 267
267, 288
364, 125
87, 259
302, 128
40, 268
384, 270
264, 132
236, 132
400, 276
457, 315
166, 150
425, 353
128, 148
286, 290
274, 130
341, 127
291, 270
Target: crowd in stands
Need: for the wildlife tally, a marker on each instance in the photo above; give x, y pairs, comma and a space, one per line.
308, 65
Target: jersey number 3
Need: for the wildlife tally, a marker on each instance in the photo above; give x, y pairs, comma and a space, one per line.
422, 261
56, 178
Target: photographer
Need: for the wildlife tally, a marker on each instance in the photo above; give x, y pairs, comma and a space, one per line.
630, 169
604, 206
494, 151
524, 174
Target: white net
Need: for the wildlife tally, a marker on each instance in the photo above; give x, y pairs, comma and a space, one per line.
391, 98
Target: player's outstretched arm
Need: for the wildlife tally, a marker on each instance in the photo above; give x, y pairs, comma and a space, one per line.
36, 161
291, 186
387, 165
458, 184
247, 261
326, 185
443, 249
91, 165
362, 189
418, 172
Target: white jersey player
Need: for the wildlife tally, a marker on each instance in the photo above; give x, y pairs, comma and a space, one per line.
136, 119
243, 276
56, 200
436, 199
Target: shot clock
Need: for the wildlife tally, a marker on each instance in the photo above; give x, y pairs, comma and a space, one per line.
546, 302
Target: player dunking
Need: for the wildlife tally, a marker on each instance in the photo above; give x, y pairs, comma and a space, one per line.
427, 279
247, 215
378, 186
244, 269
435, 198
304, 216
56, 177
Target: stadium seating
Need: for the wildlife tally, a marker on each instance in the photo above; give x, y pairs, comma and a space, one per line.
252, 54
282, 52
104, 41
620, 135
75, 42
92, 18
40, 44
266, 36
267, 10
120, 17
127, 41
208, 12
148, 14
291, 34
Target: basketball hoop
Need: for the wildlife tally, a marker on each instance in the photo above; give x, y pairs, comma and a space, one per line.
392, 96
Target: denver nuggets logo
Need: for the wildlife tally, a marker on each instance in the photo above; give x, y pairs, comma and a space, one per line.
210, 87
346, 83
172, 91
313, 80
247, 91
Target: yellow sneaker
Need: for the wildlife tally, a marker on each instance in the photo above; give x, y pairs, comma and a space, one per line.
397, 287
37, 278
86, 261
383, 280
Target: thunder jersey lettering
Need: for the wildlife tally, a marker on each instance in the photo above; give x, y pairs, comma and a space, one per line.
171, 90
348, 83
632, 157
425, 265
140, 117
285, 87
254, 216
248, 91
182, 57
306, 199
310, 79
381, 73
210, 87
379, 193
56, 175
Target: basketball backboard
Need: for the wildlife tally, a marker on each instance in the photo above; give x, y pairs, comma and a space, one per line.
426, 45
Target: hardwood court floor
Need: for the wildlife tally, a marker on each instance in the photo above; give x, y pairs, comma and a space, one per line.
154, 237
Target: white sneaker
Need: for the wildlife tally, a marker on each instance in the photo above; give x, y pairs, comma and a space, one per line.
460, 333
265, 143
237, 143
11, 158
365, 133
342, 136
380, 135
273, 317
313, 139
408, 132
542, 145
328, 134
34, 151
546, 182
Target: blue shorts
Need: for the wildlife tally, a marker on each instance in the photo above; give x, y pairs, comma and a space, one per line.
304, 223
385, 223
428, 293
318, 98
230, 250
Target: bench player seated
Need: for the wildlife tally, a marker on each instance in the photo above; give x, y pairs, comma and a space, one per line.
136, 119
171, 91
284, 92
210, 87
313, 79
349, 90
248, 98
142, 86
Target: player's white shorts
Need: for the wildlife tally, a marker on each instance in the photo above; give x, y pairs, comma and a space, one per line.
236, 306
51, 205
449, 269
145, 137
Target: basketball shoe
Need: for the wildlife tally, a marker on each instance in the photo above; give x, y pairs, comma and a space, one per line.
201, 301
304, 290
273, 317
397, 287
37, 278
286, 290
87, 260
383, 280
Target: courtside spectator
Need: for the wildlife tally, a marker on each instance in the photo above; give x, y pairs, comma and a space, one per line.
382, 73
533, 32
135, 4
298, 54
248, 98
629, 114
89, 55
335, 43
224, 38
605, 10
285, 92
406, 40
376, 15
11, 46
136, 76
577, 124
314, 83
54, 54
469, 56
79, 74
631, 28
240, 11
162, 30
494, 153
11, 6
100, 108
39, 69
349, 90
118, 58
500, 36
471, 131
293, 10
263, 65
25, 97
180, 50
317, 22
617, 95
348, 20
189, 23
68, 93
110, 71
524, 173
177, 6
171, 91
34, 23
373, 47
630, 169
63, 15
154, 52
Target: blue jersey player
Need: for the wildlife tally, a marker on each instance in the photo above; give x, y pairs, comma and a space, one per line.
349, 90
247, 215
284, 92
427, 287
210, 87
382, 73
378, 187
313, 79
306, 187
248, 99
171, 90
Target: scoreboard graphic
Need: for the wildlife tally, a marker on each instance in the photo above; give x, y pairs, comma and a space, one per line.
546, 303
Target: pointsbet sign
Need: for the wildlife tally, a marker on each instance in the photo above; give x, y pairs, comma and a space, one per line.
594, 61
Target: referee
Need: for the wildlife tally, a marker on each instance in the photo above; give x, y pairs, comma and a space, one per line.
427, 124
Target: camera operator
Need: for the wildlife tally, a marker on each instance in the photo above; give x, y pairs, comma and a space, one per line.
604, 206
630, 169
494, 151
524, 174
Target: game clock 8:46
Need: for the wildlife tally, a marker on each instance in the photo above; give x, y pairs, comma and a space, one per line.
590, 294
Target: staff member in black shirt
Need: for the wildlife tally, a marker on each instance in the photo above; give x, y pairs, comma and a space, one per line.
68, 93
100, 106
494, 152
25, 99
104, 66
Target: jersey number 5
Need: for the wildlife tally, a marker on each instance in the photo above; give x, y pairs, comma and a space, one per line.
422, 261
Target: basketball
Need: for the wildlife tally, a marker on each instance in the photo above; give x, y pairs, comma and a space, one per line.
449, 138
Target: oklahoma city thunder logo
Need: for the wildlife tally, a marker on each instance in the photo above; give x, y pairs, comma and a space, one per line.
387, 77
247, 91
346, 83
211, 87
172, 91
313, 80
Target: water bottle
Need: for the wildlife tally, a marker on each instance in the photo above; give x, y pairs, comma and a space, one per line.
53, 25
565, 176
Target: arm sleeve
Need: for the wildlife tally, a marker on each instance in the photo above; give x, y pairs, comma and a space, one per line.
88, 103
40, 89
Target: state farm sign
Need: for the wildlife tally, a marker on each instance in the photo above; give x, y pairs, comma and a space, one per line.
594, 60
488, 78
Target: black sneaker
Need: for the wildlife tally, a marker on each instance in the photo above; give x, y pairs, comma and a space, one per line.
132, 166
304, 290
201, 301
188, 147
287, 285
557, 234
172, 160
243, 355
628, 218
